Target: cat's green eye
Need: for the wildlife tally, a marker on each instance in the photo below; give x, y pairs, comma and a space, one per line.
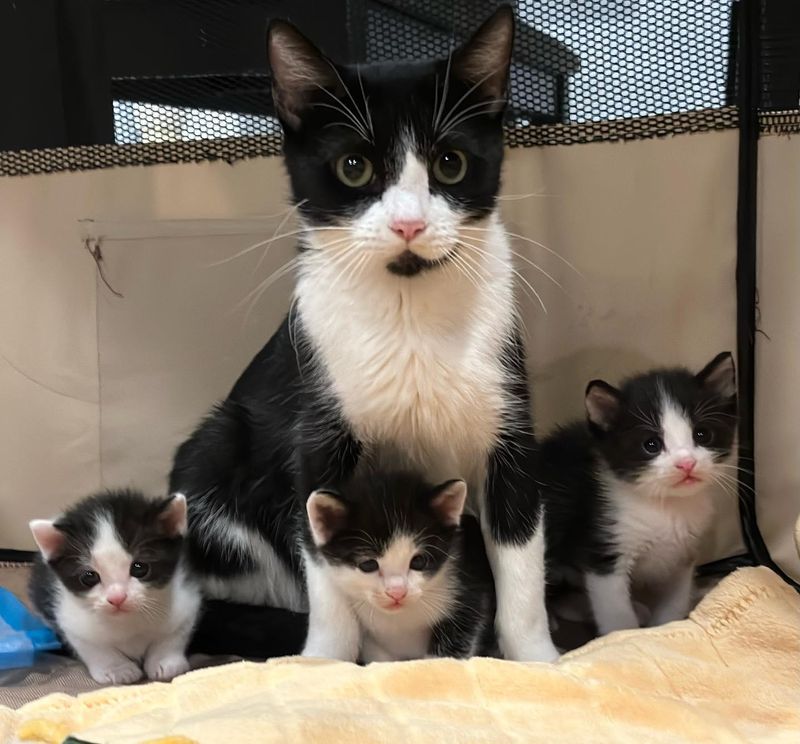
354, 170
369, 566
450, 167
418, 562
89, 579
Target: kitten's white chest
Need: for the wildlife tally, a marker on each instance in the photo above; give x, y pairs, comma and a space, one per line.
658, 535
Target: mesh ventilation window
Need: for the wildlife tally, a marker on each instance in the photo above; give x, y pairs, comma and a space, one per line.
573, 63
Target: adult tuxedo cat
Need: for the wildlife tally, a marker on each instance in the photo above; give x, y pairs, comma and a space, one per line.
402, 347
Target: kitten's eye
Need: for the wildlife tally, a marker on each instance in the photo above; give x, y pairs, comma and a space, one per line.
368, 566
703, 435
418, 563
652, 445
450, 167
89, 579
354, 171
139, 570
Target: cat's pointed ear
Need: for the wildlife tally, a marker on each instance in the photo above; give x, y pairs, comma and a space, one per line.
173, 518
298, 70
447, 502
485, 59
327, 515
719, 375
602, 404
49, 539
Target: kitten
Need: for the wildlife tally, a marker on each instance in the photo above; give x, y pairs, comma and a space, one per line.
402, 345
412, 567
112, 580
628, 496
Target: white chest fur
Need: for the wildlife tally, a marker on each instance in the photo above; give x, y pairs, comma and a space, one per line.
416, 363
657, 535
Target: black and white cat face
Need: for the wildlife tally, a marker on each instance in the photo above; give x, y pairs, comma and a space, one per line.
668, 431
389, 541
396, 162
115, 550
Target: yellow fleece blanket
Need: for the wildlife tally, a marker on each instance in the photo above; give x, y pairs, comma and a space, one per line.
730, 673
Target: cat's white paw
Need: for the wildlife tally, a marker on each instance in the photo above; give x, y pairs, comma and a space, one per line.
532, 649
325, 651
124, 673
165, 668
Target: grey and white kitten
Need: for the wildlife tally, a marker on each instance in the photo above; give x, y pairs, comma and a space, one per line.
112, 580
628, 493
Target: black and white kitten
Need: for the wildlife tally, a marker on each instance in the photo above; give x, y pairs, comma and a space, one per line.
402, 345
412, 567
628, 496
112, 580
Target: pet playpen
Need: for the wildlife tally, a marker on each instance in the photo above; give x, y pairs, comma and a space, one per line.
649, 147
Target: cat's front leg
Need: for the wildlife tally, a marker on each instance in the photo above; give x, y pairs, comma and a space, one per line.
333, 629
674, 597
106, 665
610, 598
514, 532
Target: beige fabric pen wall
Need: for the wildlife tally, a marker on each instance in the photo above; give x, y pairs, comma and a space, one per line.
650, 226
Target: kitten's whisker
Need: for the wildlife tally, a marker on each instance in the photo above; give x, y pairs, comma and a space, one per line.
444, 123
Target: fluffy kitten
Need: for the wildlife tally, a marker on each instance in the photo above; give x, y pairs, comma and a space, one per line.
411, 566
628, 497
402, 345
112, 580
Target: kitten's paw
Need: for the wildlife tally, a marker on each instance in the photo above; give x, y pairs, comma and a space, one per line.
124, 673
165, 668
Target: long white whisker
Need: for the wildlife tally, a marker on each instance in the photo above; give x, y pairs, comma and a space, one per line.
529, 240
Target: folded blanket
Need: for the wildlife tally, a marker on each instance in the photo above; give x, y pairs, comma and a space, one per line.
730, 673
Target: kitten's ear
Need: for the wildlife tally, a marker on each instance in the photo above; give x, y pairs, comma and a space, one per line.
719, 375
485, 59
448, 502
48, 537
327, 515
173, 518
602, 404
298, 70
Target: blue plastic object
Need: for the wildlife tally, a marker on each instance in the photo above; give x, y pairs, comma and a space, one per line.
22, 634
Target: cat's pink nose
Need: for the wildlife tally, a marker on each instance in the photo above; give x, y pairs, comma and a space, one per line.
116, 597
397, 592
686, 464
408, 229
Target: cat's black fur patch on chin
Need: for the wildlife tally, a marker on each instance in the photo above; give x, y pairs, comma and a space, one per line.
409, 263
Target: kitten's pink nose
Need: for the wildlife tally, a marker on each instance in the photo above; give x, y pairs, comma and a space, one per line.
117, 597
397, 592
686, 464
408, 229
